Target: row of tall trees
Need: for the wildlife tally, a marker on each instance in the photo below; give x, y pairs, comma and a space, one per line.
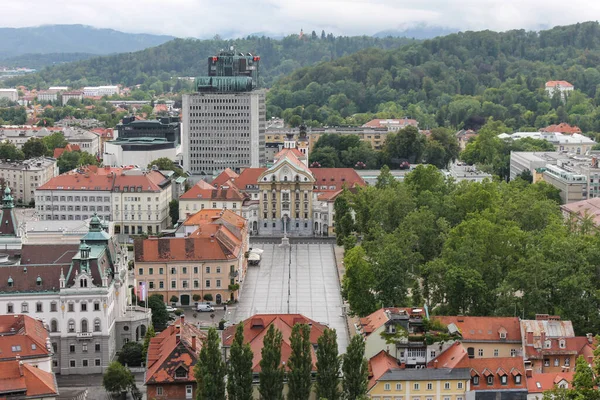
210, 370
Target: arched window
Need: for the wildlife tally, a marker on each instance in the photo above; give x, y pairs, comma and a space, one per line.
285, 178
97, 325
54, 326
83, 282
71, 326
84, 325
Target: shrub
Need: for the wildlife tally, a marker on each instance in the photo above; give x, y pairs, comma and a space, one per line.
178, 312
222, 324
196, 297
208, 297
174, 299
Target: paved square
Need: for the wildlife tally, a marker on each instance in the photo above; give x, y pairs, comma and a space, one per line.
301, 278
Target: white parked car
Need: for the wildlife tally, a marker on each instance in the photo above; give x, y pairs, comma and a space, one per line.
171, 309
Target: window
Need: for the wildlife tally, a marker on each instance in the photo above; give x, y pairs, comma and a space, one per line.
546, 362
503, 379
208, 270
159, 391
97, 325
140, 271
184, 270
561, 343
38, 307
416, 386
181, 373
218, 270
97, 306
173, 271
196, 284
513, 352
547, 344
54, 326
71, 307
97, 362
207, 283
83, 306
97, 347
173, 284
161, 271
84, 347
84, 363
71, 348
195, 270
475, 380
496, 352
430, 386
387, 386
25, 308
71, 326
161, 284
72, 363
490, 380
84, 325
150, 271
518, 379
567, 362
398, 386
556, 362
480, 352
218, 283
446, 385
459, 385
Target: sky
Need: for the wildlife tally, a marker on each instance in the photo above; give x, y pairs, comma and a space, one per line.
234, 18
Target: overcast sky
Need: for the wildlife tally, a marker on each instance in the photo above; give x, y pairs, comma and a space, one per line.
203, 18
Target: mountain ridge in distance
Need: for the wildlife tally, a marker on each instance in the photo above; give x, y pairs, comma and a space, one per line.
47, 39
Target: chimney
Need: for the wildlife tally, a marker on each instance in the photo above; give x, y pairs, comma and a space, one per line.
194, 342
181, 320
529, 337
435, 364
172, 328
528, 372
543, 339
590, 337
20, 367
591, 360
177, 338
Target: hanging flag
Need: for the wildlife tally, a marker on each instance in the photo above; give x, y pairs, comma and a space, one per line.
143, 291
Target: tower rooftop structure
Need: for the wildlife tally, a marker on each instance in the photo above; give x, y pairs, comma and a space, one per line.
230, 71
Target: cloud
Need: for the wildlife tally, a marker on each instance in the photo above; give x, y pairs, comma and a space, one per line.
203, 18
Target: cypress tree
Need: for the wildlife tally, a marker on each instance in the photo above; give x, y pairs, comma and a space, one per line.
210, 369
271, 371
328, 366
355, 369
239, 371
300, 363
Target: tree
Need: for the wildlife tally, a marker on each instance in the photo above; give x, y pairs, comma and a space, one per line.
358, 282
344, 222
53, 141
160, 316
174, 211
150, 333
210, 369
584, 376
131, 354
328, 366
73, 159
34, 147
271, 371
166, 164
9, 151
300, 363
117, 378
355, 369
239, 370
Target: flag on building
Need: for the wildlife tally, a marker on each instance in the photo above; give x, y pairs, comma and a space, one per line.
142, 292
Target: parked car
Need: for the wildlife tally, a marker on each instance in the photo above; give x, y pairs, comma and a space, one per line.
204, 307
171, 309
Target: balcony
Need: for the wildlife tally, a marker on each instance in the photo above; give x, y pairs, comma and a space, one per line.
84, 335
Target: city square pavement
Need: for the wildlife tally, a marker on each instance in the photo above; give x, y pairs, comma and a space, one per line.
301, 278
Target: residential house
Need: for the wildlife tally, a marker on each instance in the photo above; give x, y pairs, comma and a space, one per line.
539, 383
387, 380
26, 340
25, 177
562, 87
563, 127
207, 258
391, 124
171, 358
203, 195
584, 211
464, 136
75, 95
255, 329
67, 149
23, 381
486, 337
550, 345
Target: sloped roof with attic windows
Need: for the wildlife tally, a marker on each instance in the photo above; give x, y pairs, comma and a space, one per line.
24, 381
27, 333
477, 329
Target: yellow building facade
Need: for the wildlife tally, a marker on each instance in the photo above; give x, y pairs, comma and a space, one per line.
422, 384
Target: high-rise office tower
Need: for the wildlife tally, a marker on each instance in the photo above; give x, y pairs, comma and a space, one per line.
224, 121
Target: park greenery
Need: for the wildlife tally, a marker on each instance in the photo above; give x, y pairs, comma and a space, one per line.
489, 249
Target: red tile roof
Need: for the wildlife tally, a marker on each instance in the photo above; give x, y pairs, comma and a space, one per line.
562, 128
204, 191
384, 123
27, 380
68, 148
249, 176
379, 364
284, 152
337, 177
226, 175
23, 331
171, 349
257, 326
558, 83
213, 215
450, 358
484, 328
496, 367
374, 321
107, 179
541, 382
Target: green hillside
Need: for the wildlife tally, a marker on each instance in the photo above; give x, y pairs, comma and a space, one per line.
187, 57
458, 81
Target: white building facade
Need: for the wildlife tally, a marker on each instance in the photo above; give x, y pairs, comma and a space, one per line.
24, 177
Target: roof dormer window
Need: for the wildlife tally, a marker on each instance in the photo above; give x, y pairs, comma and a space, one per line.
181, 372
38, 281
11, 283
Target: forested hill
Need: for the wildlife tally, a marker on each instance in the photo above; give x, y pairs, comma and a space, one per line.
457, 80
72, 39
187, 57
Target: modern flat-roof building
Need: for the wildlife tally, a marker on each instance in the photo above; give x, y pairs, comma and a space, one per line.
94, 91
224, 121
575, 143
141, 142
10, 94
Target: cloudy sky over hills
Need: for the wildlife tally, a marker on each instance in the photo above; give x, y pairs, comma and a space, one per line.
203, 18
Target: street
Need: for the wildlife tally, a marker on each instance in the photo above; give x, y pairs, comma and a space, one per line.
70, 386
